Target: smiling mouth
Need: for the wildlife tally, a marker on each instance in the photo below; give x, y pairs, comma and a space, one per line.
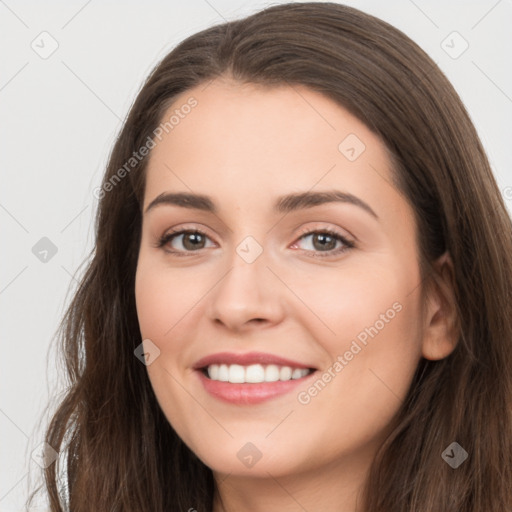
254, 373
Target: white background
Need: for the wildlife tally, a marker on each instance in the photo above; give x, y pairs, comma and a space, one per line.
60, 115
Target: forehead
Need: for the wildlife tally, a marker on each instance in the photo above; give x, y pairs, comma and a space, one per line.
250, 143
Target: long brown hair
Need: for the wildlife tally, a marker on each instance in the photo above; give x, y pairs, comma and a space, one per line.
121, 454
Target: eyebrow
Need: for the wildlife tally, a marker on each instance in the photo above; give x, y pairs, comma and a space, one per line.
283, 204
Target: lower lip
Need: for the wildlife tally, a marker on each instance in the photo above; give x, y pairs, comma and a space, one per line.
247, 393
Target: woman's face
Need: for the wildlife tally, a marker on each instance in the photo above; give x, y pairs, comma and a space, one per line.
275, 169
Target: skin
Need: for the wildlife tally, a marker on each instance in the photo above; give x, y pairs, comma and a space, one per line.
245, 145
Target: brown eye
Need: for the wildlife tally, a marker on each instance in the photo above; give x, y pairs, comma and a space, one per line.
324, 243
184, 241
193, 240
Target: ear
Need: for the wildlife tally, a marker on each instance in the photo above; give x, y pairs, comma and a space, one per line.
440, 319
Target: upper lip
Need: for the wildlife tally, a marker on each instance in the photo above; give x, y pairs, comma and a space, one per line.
246, 359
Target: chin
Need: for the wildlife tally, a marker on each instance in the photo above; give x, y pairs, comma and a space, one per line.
246, 458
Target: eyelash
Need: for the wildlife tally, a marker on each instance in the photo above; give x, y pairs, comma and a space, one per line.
165, 239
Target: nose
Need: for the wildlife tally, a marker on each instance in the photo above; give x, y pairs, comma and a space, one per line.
249, 295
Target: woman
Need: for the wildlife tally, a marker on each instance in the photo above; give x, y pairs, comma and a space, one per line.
299, 297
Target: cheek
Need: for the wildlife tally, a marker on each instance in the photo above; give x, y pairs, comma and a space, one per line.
368, 324
341, 303
165, 297
169, 302
373, 359
165, 301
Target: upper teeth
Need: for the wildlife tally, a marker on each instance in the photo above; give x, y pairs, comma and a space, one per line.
254, 373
